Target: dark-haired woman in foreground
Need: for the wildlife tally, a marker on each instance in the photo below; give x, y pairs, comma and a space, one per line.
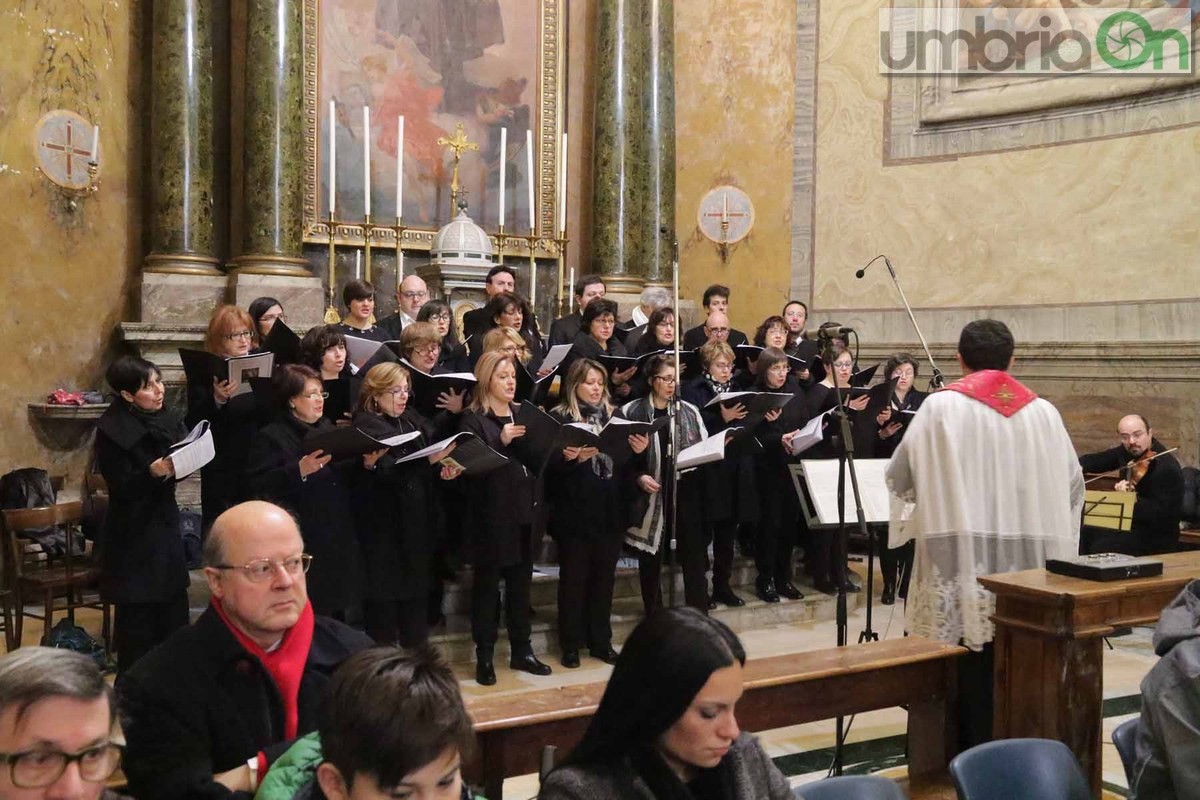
666, 726
143, 570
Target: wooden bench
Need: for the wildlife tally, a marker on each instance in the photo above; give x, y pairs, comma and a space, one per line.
512, 729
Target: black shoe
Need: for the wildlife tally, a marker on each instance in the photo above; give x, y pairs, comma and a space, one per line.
529, 663
766, 591
888, 596
851, 587
726, 596
788, 589
606, 654
485, 673
825, 587
570, 659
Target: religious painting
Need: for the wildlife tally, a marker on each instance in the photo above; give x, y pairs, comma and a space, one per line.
423, 68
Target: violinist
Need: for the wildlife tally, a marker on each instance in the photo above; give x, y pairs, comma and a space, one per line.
1142, 466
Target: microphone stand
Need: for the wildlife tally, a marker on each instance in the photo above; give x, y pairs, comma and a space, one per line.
672, 475
938, 380
845, 465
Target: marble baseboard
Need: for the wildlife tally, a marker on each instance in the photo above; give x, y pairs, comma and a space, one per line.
168, 299
303, 299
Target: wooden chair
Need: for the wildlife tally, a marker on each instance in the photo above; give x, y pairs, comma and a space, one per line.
34, 573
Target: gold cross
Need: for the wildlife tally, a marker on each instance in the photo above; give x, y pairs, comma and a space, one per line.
1004, 395
458, 144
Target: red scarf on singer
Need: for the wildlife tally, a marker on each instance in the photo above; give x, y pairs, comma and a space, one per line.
285, 664
996, 389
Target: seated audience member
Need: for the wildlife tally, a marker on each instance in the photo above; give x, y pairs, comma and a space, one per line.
359, 299
143, 569
1168, 740
208, 708
1159, 505
716, 301
411, 296
453, 356
392, 724
666, 725
564, 329
57, 724
264, 311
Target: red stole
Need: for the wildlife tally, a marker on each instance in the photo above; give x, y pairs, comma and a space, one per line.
996, 389
285, 664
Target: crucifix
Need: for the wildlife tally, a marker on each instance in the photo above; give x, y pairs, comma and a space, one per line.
458, 144
725, 217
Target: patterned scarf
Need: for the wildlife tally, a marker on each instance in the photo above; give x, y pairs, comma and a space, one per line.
718, 388
602, 465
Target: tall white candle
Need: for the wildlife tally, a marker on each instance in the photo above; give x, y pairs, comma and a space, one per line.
367, 160
332, 161
571, 292
725, 207
503, 169
400, 169
529, 172
96, 144
358, 264
562, 189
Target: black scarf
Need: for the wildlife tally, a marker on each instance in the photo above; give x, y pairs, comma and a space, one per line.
664, 784
718, 388
165, 429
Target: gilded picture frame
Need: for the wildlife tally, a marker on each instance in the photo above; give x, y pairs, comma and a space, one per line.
398, 25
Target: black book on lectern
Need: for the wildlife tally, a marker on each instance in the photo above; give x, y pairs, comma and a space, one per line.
1105, 567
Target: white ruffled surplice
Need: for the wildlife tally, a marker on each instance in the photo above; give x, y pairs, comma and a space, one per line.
992, 494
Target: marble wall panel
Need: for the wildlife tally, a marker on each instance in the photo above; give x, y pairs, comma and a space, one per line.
69, 276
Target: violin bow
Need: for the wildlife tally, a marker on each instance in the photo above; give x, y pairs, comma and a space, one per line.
1116, 473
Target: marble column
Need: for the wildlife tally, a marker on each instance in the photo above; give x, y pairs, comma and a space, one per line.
273, 154
181, 140
659, 198
618, 153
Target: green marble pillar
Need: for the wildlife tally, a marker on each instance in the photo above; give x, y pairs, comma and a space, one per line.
659, 213
273, 154
619, 150
181, 139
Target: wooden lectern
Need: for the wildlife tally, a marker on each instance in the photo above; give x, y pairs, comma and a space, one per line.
1049, 649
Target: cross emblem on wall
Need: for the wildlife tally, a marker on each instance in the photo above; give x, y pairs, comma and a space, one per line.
65, 149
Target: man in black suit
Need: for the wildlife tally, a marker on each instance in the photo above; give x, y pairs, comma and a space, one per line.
500, 279
564, 329
716, 299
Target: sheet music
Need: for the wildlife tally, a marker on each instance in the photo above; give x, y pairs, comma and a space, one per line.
821, 477
194, 451
809, 436
242, 368
705, 452
434, 448
555, 356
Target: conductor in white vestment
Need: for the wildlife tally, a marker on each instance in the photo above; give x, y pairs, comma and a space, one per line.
997, 488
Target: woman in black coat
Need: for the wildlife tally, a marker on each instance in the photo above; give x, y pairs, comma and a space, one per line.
143, 570
397, 508
233, 413
314, 490
731, 495
659, 337
453, 355
595, 338
506, 310
587, 518
500, 516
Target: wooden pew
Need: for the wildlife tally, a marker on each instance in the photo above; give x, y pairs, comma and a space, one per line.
790, 689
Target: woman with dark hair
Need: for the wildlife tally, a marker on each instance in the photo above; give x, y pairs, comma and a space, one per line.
666, 728
890, 407
264, 311
315, 491
359, 299
420, 347
143, 569
506, 310
397, 514
234, 414
323, 349
659, 336
595, 338
586, 518
500, 521
780, 507
453, 355
650, 510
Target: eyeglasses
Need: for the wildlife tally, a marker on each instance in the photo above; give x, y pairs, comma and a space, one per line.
273, 317
263, 569
717, 330
404, 392
428, 349
414, 295
838, 365
512, 349
439, 317
239, 335
667, 379
39, 768
315, 395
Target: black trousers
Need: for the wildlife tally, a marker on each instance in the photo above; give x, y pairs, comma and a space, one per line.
691, 560
975, 696
894, 562
724, 535
485, 605
139, 627
827, 562
773, 549
587, 573
404, 622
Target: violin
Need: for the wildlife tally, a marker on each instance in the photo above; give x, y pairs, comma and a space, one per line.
1133, 471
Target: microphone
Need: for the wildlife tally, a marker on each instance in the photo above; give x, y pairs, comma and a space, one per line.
860, 273
833, 331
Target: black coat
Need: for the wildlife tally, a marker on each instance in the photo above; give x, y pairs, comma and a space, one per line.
1159, 496
476, 323
731, 490
696, 338
564, 329
321, 504
234, 426
583, 504
780, 504
199, 704
375, 333
142, 558
867, 443
585, 346
398, 520
502, 504
821, 398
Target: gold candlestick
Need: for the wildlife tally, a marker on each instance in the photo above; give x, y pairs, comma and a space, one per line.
399, 251
367, 228
532, 240
331, 313
562, 269
500, 240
